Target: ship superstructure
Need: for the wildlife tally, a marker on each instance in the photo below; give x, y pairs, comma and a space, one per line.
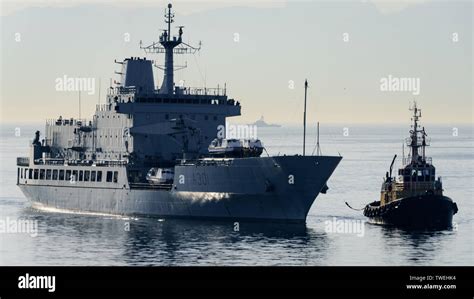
109, 164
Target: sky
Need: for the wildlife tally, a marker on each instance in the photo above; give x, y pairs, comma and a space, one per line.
262, 50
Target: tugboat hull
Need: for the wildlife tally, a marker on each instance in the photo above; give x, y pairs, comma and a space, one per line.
421, 212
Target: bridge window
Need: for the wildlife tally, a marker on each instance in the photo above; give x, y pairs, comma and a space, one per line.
99, 176
115, 176
61, 175
48, 174
81, 175
68, 175
30, 174
74, 174
42, 171
55, 174
93, 176
87, 175
109, 176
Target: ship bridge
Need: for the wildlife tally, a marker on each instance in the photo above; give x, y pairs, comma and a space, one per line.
151, 112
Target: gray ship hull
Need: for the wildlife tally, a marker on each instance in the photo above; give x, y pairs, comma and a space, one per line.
271, 188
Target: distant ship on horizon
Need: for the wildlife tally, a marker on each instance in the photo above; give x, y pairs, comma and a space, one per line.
261, 123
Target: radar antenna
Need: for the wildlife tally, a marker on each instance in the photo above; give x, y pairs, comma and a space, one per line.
417, 137
170, 45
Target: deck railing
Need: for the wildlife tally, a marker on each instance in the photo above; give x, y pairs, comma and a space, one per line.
407, 160
98, 163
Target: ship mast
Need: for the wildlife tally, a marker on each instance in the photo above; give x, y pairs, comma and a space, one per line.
170, 45
304, 116
417, 137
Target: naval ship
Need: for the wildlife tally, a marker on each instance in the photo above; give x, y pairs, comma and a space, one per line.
145, 152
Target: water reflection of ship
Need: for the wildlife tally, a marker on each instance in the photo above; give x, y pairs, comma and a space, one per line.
151, 241
418, 245
261, 123
186, 242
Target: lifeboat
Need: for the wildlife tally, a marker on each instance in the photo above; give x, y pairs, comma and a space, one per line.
235, 148
160, 176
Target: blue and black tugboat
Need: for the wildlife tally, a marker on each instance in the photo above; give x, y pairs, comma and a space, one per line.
414, 199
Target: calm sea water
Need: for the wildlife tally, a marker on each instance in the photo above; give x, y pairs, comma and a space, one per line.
73, 239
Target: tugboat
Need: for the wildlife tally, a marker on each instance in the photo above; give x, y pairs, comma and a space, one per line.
414, 199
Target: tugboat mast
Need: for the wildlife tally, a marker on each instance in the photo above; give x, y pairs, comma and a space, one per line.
413, 139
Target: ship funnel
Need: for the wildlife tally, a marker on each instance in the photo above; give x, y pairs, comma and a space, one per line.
138, 73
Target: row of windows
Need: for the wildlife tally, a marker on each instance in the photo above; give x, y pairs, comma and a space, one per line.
193, 117
68, 175
183, 101
427, 178
206, 117
108, 116
417, 175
